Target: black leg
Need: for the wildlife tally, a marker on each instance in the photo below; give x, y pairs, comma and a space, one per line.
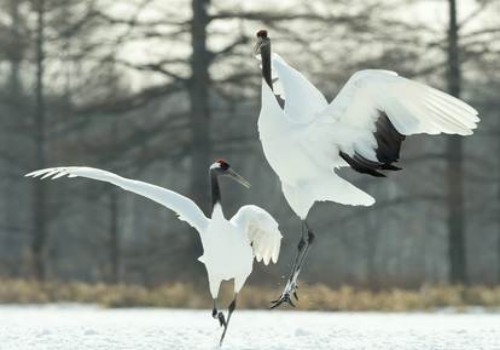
309, 240
287, 292
231, 308
306, 239
300, 250
219, 316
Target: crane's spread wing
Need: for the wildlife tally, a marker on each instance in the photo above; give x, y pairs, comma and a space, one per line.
387, 108
185, 208
262, 231
411, 107
370, 117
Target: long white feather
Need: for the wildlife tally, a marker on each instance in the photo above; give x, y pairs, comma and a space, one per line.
412, 107
185, 208
302, 97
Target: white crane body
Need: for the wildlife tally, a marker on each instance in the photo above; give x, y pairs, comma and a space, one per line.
227, 253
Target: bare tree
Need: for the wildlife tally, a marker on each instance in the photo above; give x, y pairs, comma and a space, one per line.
199, 86
456, 212
15, 50
38, 245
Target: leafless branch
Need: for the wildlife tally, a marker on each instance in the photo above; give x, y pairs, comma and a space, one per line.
155, 67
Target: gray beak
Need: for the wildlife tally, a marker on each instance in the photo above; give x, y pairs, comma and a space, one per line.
237, 177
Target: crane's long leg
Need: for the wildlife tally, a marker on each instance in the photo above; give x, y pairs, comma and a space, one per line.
218, 315
231, 308
306, 239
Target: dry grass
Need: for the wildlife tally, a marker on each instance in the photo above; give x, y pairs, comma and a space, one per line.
316, 297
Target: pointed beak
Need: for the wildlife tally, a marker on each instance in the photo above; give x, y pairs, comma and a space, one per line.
237, 177
257, 47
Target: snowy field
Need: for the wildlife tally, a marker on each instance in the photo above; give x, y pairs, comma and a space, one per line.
77, 328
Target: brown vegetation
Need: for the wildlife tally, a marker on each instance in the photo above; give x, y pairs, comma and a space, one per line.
313, 297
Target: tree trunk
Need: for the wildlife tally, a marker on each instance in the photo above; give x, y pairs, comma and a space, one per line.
114, 238
199, 85
14, 53
10, 187
456, 213
114, 242
200, 104
39, 241
498, 217
498, 245
371, 245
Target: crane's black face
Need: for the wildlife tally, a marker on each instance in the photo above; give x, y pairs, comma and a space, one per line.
222, 168
262, 41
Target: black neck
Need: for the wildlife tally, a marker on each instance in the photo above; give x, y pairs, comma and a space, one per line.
215, 194
265, 54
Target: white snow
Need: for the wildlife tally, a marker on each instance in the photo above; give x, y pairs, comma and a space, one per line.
79, 327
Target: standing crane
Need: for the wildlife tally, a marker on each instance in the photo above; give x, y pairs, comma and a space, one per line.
229, 246
305, 138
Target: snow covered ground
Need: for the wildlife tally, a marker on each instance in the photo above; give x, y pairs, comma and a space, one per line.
83, 327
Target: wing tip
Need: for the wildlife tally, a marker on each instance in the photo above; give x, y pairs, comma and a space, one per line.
38, 173
51, 173
368, 202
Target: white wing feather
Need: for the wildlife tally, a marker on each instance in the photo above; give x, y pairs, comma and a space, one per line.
185, 208
302, 97
412, 107
262, 231
348, 122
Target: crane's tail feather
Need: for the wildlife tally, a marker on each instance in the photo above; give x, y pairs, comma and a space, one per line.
336, 189
327, 188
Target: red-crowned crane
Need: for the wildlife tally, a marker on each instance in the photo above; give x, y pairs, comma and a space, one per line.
305, 138
229, 246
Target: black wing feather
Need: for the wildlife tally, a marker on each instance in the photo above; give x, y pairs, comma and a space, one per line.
389, 142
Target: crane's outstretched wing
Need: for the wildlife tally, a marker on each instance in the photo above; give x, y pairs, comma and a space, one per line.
370, 117
411, 107
185, 208
262, 231
391, 107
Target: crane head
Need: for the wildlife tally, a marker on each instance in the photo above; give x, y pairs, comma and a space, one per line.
262, 33
262, 40
222, 164
222, 168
